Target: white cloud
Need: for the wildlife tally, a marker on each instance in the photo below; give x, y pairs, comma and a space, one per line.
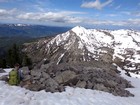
59, 17
63, 18
134, 21
108, 22
118, 7
6, 14
132, 13
126, 12
96, 4
9, 0
112, 15
4, 0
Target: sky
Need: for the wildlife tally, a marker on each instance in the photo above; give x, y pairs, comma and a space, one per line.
107, 14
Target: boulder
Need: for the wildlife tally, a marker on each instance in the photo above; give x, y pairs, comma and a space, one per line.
35, 87
27, 77
51, 85
81, 84
25, 70
35, 73
65, 76
89, 85
100, 87
45, 75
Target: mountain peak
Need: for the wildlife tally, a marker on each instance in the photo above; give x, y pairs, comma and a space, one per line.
79, 29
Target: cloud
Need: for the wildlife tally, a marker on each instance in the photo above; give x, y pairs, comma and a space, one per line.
134, 21
96, 4
126, 23
63, 18
59, 17
4, 0
108, 22
7, 14
9, 0
131, 13
118, 7
112, 15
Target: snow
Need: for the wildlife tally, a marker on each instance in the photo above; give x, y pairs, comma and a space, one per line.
14, 95
91, 39
59, 59
6, 72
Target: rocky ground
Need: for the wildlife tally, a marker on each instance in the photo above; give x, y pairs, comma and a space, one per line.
54, 78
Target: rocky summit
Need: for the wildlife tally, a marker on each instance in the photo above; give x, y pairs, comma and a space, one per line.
83, 58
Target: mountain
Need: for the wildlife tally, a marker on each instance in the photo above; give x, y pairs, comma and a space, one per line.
79, 44
30, 30
85, 58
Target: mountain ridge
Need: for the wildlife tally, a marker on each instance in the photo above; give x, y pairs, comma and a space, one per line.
30, 30
81, 44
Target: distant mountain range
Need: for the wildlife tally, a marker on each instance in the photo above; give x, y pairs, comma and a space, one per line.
30, 30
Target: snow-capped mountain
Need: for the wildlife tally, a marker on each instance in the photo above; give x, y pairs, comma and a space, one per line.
81, 44
18, 25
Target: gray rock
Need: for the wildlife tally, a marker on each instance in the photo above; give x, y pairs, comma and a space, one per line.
81, 84
27, 77
25, 84
89, 85
36, 78
110, 83
101, 87
45, 75
25, 70
36, 73
51, 85
65, 76
46, 66
42, 80
35, 87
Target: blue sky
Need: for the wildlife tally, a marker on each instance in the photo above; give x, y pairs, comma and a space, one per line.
108, 14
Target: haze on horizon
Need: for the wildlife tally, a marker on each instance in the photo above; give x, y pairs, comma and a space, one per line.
108, 14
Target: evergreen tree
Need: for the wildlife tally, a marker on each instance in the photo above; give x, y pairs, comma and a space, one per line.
2, 63
26, 61
13, 56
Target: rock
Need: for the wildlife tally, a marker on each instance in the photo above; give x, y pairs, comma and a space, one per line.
96, 75
42, 80
101, 87
1, 70
65, 76
51, 85
61, 88
81, 84
110, 83
45, 75
27, 77
35, 73
35, 87
107, 57
89, 85
25, 84
46, 66
25, 70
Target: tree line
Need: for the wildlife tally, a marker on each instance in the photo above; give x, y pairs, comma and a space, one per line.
14, 55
